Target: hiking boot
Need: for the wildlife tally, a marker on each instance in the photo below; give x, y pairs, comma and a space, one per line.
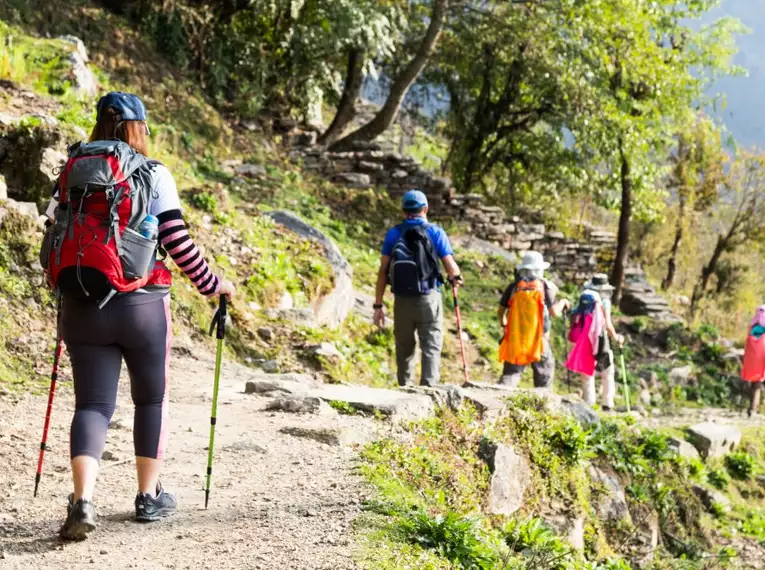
150, 508
80, 519
606, 408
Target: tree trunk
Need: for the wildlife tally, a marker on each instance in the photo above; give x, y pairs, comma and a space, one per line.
681, 183
617, 274
679, 231
387, 115
346, 108
700, 288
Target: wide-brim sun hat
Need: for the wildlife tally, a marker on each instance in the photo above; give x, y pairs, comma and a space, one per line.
533, 260
599, 282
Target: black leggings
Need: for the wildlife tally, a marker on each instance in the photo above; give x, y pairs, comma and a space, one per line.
135, 327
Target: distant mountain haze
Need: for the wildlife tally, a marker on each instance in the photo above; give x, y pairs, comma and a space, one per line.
744, 114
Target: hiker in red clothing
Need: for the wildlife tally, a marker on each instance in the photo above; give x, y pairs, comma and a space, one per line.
753, 371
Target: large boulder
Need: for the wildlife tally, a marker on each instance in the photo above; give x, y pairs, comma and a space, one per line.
683, 448
394, 404
711, 498
510, 477
280, 384
332, 309
681, 375
472, 243
612, 505
301, 405
443, 395
80, 75
581, 412
569, 526
714, 440
332, 436
31, 159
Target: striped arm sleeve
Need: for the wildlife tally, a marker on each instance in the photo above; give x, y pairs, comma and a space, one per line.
175, 238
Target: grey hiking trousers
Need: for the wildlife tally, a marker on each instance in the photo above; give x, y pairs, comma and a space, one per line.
544, 370
425, 316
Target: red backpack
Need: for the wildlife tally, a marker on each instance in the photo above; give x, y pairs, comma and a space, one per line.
93, 249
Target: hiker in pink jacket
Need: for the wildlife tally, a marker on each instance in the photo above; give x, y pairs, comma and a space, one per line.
591, 328
753, 371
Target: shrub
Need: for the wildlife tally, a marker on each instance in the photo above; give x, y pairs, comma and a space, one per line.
459, 539
740, 465
717, 510
639, 324
345, 408
536, 540
656, 446
205, 201
754, 525
718, 479
570, 439
695, 467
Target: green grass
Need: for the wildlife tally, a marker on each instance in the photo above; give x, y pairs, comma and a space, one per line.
432, 489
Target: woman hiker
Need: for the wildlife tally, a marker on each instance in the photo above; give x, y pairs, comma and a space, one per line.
591, 327
753, 371
101, 329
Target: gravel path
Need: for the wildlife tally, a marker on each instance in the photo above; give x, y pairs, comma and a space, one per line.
278, 502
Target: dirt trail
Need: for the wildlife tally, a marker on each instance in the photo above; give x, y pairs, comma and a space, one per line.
277, 501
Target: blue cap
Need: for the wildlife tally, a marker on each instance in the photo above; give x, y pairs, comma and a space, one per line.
414, 200
129, 106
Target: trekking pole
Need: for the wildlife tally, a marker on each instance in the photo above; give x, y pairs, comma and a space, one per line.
459, 331
51, 394
565, 348
624, 378
219, 320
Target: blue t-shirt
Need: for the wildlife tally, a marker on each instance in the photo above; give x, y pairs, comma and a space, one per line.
437, 236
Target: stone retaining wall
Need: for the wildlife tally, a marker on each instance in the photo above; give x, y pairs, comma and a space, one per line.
369, 165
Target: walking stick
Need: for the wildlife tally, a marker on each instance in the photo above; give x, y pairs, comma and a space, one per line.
51, 394
565, 347
459, 331
624, 378
219, 321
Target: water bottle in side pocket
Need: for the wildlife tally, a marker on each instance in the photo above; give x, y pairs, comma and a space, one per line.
149, 228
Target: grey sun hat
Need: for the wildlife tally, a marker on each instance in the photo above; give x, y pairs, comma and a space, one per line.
533, 260
599, 282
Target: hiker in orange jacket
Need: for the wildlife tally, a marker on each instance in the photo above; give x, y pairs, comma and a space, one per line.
525, 314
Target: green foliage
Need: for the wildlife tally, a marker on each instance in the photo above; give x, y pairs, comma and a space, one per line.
570, 440
345, 408
695, 467
740, 465
205, 201
538, 544
454, 537
556, 446
266, 53
639, 324
754, 525
718, 479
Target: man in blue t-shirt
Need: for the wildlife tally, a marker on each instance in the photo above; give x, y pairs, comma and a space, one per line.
417, 305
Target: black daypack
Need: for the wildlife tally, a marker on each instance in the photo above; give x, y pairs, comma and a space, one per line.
414, 263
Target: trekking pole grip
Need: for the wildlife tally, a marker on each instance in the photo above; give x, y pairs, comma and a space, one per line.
219, 320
